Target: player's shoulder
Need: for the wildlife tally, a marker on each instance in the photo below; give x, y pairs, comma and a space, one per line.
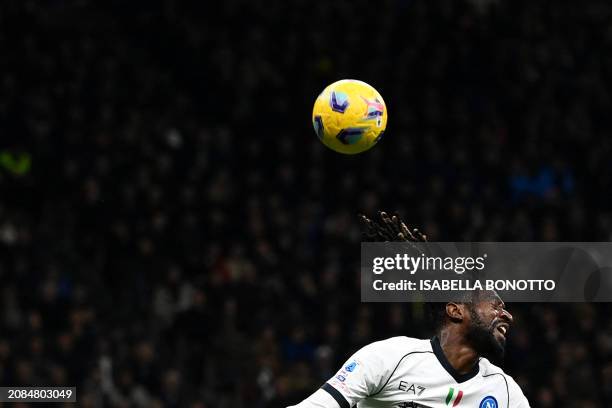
382, 357
488, 369
398, 346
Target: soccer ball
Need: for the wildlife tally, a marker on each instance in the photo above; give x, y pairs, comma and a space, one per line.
349, 116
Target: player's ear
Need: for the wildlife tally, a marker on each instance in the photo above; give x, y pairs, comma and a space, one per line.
455, 311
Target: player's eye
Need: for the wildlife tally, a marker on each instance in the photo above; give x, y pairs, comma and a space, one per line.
499, 307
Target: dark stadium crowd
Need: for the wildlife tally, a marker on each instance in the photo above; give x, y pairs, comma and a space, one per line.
173, 234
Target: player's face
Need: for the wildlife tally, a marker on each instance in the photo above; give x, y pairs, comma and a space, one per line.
489, 325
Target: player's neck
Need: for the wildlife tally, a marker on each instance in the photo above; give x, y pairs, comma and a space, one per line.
459, 354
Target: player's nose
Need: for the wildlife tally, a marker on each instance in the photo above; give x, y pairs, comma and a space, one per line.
506, 315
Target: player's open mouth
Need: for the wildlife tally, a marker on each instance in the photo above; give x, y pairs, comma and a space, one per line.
503, 328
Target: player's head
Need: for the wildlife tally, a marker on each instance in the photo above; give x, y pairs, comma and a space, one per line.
480, 319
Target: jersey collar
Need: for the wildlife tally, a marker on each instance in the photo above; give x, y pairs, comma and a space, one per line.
437, 349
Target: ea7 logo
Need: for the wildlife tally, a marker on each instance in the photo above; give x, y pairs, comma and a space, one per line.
411, 388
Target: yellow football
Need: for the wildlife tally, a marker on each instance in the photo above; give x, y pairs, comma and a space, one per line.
349, 116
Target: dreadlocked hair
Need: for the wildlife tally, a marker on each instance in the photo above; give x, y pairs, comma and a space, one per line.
388, 229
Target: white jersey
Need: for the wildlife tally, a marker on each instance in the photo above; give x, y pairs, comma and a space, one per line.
403, 372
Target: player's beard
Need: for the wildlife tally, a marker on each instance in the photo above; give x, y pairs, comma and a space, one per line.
482, 337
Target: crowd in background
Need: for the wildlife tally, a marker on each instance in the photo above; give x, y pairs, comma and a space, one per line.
173, 234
